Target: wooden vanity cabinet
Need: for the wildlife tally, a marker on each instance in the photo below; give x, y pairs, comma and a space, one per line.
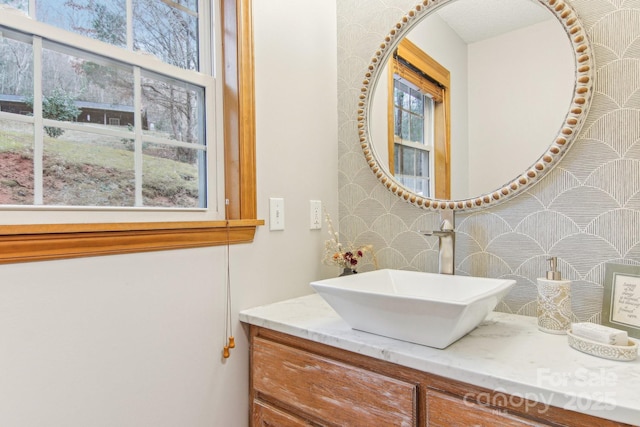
296, 382
328, 390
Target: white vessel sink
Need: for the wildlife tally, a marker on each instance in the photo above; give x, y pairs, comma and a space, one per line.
424, 308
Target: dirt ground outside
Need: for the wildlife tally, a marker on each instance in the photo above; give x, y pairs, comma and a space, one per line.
77, 172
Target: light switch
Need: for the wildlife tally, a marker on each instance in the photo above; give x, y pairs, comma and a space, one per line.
276, 214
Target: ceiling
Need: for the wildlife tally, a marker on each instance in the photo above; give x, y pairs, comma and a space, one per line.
476, 20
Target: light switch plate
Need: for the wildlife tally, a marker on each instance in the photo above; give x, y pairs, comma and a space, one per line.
276, 214
315, 210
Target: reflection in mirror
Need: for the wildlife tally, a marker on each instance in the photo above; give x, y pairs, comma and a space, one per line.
419, 117
511, 69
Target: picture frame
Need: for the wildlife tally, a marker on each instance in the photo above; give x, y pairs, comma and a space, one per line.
621, 303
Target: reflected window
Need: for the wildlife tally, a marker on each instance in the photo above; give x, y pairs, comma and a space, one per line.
413, 136
419, 122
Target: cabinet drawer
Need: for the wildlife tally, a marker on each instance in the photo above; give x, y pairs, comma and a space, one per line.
328, 390
447, 411
265, 415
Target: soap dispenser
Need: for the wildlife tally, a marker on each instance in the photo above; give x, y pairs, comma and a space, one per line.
554, 301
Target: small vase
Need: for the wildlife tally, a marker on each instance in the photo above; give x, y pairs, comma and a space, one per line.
347, 271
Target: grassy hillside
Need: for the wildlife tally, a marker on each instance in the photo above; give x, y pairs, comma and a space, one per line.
82, 169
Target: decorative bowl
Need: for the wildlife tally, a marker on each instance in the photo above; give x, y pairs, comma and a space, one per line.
625, 353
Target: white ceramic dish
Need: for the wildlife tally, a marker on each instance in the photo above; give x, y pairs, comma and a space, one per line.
625, 353
424, 308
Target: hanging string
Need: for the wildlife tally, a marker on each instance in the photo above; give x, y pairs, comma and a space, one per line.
228, 328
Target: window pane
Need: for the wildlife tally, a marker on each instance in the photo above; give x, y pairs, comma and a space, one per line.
417, 129
399, 120
105, 21
173, 110
87, 169
400, 92
408, 161
405, 126
101, 89
417, 106
422, 163
397, 155
16, 163
171, 181
422, 187
167, 32
412, 168
18, 4
16, 74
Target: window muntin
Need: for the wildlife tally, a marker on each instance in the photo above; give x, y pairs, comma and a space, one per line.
111, 90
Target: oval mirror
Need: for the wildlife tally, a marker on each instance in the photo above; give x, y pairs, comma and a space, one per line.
469, 102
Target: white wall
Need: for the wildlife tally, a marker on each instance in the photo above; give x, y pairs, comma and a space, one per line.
510, 118
136, 340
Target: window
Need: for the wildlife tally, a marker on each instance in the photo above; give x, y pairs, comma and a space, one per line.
165, 106
419, 129
161, 158
413, 136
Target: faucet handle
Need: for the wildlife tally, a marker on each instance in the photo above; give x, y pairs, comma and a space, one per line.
446, 229
446, 225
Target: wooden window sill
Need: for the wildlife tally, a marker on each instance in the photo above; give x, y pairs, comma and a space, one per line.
22, 243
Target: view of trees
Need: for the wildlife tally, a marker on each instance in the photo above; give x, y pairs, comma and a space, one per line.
166, 29
58, 106
169, 33
16, 67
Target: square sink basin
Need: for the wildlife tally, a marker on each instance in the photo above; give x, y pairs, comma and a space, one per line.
424, 308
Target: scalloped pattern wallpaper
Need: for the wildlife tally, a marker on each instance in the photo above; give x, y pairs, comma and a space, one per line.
586, 211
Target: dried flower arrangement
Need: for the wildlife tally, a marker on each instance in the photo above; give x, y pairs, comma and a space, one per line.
337, 254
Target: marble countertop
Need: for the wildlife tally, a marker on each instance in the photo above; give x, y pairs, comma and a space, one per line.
506, 353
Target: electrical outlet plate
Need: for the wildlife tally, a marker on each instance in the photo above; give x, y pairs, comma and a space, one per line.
276, 214
315, 210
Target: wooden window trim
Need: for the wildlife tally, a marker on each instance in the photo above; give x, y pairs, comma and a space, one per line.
21, 243
442, 114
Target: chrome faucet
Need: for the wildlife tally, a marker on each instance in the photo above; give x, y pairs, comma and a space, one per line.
447, 243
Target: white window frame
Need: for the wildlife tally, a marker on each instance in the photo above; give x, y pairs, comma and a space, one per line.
205, 78
426, 145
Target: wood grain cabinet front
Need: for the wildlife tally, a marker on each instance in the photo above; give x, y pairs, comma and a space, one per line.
328, 391
452, 411
265, 415
297, 382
